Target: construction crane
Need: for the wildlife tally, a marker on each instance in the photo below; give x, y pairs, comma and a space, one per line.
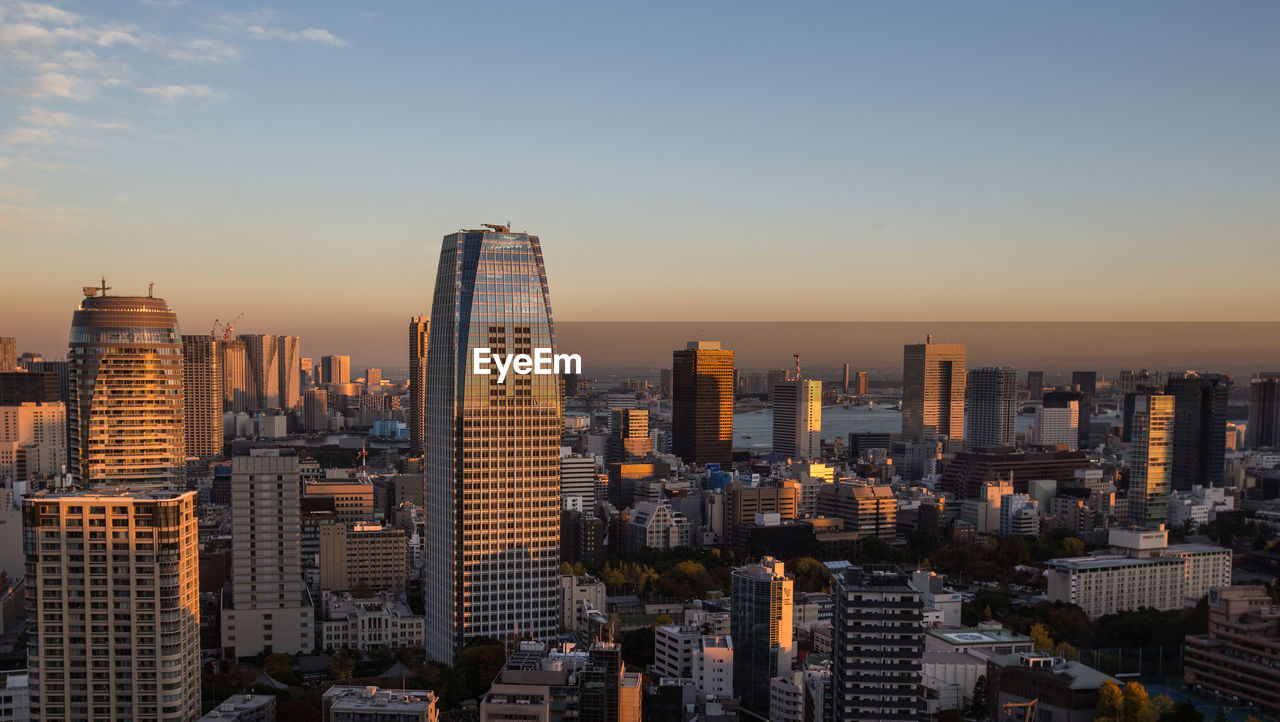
226, 334
1030, 708
213, 332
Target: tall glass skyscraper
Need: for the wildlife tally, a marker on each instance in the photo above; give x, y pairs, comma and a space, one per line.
418, 338
127, 424
492, 449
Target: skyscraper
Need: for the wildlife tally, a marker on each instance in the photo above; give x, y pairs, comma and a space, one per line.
492, 448
8, 353
991, 407
127, 423
1263, 430
1035, 385
844, 379
1085, 381
236, 394
272, 367
797, 419
761, 623
1199, 429
315, 410
419, 328
876, 625
628, 435
702, 403
202, 395
335, 369
266, 608
138, 632
1150, 458
860, 386
372, 381
933, 387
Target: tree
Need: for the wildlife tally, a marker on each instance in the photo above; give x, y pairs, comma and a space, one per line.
1135, 703
1183, 711
810, 575
280, 668
342, 664
663, 620
1072, 547
1066, 651
1110, 702
1040, 638
1160, 705
979, 707
566, 569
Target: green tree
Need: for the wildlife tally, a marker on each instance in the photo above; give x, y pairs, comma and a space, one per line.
978, 710
1136, 703
280, 667
810, 575
1110, 702
566, 569
342, 665
1071, 547
1066, 651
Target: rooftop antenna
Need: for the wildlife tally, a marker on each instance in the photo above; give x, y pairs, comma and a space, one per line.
105, 287
151, 290
796, 356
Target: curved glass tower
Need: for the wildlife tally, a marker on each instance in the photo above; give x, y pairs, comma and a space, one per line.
492, 449
126, 414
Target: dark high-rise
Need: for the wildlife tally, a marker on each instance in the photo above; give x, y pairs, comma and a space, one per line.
1263, 430
702, 403
492, 447
1035, 385
876, 627
1199, 429
1085, 381
991, 407
202, 395
419, 332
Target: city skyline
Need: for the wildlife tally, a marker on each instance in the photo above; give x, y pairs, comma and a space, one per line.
998, 141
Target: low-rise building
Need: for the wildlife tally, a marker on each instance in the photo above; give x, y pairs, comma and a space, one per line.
1240, 655
381, 622
342, 703
574, 591
713, 666
1064, 691
654, 525
15, 696
368, 554
243, 708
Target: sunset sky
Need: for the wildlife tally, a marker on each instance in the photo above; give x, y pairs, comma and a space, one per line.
300, 162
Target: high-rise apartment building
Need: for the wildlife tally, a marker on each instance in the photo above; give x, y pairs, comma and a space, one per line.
876, 630
1058, 425
628, 435
267, 607
127, 422
202, 379
236, 394
117, 638
797, 419
1263, 431
419, 334
272, 369
335, 369
8, 353
33, 440
933, 389
761, 622
1084, 408
1150, 458
991, 407
492, 447
702, 403
315, 410
1199, 429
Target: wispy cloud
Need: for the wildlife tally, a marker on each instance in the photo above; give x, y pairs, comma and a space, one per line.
202, 51
171, 93
43, 117
260, 25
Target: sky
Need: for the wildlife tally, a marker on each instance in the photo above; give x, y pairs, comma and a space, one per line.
721, 161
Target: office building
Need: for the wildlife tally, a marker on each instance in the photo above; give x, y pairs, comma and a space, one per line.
933, 389
36, 386
654, 525
33, 440
1084, 407
352, 498
1239, 656
628, 435
8, 353
1141, 570
315, 410
335, 369
138, 631
878, 638
1150, 458
127, 423
372, 381
343, 703
844, 379
383, 621
743, 503
1019, 515
1057, 425
492, 448
1085, 382
419, 330
236, 394
1263, 430
243, 708
272, 369
1199, 430
354, 555
578, 479
541, 684
702, 403
267, 607
867, 509
1035, 385
761, 623
861, 384
991, 407
202, 379
797, 419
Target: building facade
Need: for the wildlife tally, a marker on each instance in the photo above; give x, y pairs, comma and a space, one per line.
933, 389
702, 403
877, 645
991, 407
1150, 459
202, 378
373, 555
762, 620
1239, 657
33, 440
797, 419
419, 334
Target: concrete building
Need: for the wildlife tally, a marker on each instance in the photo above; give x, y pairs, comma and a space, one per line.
984, 511
492, 448
1263, 429
236, 394
267, 607
335, 369
369, 554
243, 708
1057, 426
797, 419
126, 420
713, 666
655, 525
315, 410
380, 622
702, 403
1141, 570
352, 498
1019, 515
673, 647
743, 503
146, 658
575, 591
15, 695
1064, 691
935, 597
867, 509
273, 370
537, 684
33, 440
991, 407
578, 479
1199, 429
202, 395
1239, 657
342, 703
876, 669
1150, 459
762, 619
933, 389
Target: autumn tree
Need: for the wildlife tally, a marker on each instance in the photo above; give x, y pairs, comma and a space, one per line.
1136, 704
1110, 702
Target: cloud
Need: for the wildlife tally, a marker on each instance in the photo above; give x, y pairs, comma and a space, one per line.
45, 118
170, 93
258, 24
202, 51
31, 136
57, 85
47, 13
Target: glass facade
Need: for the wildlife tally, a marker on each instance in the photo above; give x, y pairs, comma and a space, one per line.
492, 449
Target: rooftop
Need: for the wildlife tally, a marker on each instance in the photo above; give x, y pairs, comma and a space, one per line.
351, 698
